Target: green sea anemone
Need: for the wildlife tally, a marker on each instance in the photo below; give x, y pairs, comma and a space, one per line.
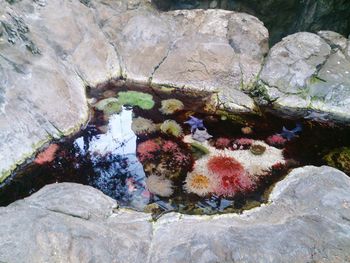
171, 106
109, 106
136, 98
141, 126
171, 127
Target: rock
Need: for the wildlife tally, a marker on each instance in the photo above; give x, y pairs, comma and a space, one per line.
305, 220
192, 50
308, 76
292, 16
75, 224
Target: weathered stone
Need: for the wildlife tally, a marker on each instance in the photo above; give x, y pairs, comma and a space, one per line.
306, 219
304, 76
292, 16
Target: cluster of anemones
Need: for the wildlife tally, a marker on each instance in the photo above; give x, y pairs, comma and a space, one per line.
164, 161
219, 174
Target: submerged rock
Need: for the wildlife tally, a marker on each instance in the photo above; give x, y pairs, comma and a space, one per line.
307, 217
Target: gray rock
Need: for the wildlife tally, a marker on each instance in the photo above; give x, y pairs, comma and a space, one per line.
305, 74
306, 220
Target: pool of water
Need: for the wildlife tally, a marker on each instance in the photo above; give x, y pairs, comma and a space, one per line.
161, 151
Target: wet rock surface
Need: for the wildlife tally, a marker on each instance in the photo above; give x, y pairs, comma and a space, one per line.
306, 220
308, 75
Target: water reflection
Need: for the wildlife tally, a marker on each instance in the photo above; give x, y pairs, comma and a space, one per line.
116, 170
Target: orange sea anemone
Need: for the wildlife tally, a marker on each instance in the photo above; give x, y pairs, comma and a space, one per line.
199, 184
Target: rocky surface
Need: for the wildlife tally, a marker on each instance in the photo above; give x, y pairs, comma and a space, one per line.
292, 16
48, 57
306, 220
308, 75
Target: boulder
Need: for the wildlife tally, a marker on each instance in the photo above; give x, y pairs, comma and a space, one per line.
306, 219
308, 75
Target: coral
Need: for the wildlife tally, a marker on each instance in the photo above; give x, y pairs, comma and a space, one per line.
147, 149
199, 184
171, 106
159, 186
276, 140
222, 166
141, 126
109, 106
48, 155
201, 135
171, 127
339, 158
136, 98
195, 123
257, 149
222, 143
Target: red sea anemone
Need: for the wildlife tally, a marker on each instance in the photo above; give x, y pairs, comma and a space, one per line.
231, 185
276, 140
231, 176
48, 155
224, 166
222, 143
147, 149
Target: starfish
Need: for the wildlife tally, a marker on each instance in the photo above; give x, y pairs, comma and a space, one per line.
201, 135
290, 134
195, 123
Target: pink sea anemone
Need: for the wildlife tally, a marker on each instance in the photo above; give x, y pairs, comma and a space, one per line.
48, 155
222, 143
242, 143
147, 149
276, 140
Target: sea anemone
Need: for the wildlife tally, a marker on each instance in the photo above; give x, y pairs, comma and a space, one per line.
257, 149
136, 98
171, 106
48, 155
231, 185
109, 106
199, 184
141, 126
159, 186
247, 130
242, 143
171, 127
222, 143
222, 165
276, 140
147, 149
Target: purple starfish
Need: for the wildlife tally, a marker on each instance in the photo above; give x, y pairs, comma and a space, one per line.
195, 123
290, 134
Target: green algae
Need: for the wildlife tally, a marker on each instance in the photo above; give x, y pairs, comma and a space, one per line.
339, 158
